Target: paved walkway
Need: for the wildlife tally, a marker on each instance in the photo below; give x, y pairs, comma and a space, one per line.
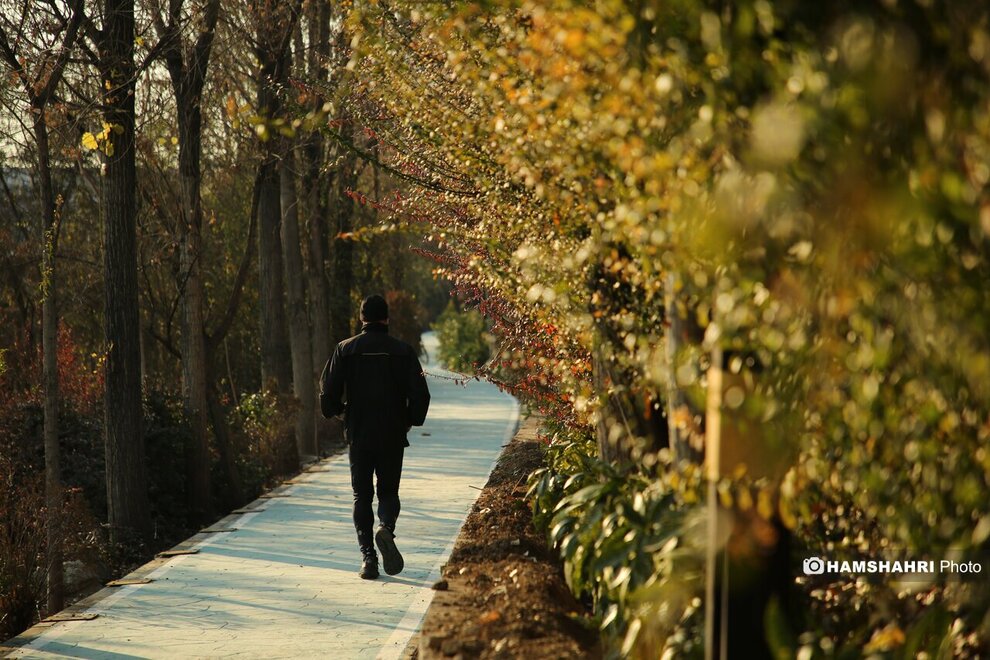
284, 584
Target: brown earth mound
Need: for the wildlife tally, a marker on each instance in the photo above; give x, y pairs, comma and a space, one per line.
503, 594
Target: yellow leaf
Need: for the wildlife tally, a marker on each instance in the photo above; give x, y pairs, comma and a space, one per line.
175, 140
744, 498
89, 141
139, 41
885, 639
108, 149
764, 503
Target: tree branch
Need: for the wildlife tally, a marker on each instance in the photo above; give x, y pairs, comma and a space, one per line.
166, 342
214, 338
429, 185
63, 57
204, 43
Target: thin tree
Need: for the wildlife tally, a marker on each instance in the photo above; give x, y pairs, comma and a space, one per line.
341, 307
315, 185
303, 384
274, 23
187, 67
39, 87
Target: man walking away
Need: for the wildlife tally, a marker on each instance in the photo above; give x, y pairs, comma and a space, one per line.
378, 385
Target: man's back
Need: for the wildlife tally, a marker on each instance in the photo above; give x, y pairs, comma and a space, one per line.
377, 382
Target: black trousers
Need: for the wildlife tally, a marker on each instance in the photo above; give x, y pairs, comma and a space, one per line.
384, 461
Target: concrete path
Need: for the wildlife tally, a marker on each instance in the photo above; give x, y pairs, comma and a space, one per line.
284, 584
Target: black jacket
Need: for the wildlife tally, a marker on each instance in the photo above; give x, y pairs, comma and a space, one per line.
376, 381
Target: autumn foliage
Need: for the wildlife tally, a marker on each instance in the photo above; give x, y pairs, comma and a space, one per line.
790, 195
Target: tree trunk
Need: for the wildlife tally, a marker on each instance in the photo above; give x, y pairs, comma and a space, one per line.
276, 364
319, 284
187, 70
127, 496
610, 446
677, 405
302, 353
315, 187
194, 384
341, 309
49, 352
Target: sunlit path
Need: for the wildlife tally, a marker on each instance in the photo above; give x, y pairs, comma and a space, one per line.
285, 584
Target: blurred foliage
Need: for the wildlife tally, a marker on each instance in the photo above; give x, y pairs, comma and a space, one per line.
802, 185
463, 339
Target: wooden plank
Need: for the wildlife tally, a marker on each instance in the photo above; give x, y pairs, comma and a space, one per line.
70, 616
176, 553
129, 581
217, 530
268, 496
248, 509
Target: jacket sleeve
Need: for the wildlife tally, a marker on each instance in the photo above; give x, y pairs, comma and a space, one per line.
332, 386
419, 393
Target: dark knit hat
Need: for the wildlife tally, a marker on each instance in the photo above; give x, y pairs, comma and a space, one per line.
374, 308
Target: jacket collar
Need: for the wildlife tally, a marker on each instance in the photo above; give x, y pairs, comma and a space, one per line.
374, 327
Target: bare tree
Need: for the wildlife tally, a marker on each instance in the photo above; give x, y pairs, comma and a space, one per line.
187, 67
274, 24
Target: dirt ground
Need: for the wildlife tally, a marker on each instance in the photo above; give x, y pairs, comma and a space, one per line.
502, 593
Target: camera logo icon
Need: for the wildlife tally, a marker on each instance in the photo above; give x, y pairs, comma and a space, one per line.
813, 566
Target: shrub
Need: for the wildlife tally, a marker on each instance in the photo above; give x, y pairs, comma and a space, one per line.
463, 340
627, 540
167, 434
23, 540
22, 547
264, 439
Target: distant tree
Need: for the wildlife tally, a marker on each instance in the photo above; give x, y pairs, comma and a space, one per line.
405, 318
463, 346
